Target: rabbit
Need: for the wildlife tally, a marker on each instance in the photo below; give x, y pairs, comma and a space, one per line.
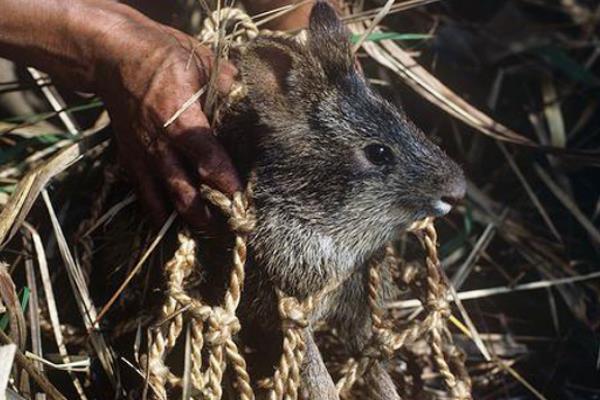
339, 172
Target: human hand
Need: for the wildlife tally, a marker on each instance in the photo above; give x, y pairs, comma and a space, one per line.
145, 77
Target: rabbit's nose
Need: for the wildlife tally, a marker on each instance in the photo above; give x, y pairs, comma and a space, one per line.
454, 191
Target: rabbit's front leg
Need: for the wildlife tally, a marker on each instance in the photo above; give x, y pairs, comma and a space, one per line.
381, 383
317, 384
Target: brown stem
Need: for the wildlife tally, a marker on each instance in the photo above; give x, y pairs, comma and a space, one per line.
35, 374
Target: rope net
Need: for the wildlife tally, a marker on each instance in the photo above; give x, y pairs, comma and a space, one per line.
213, 328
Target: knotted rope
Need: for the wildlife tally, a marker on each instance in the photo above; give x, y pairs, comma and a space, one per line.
240, 26
212, 328
294, 318
242, 31
387, 341
438, 308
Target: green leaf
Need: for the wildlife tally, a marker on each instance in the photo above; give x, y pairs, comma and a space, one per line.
24, 303
561, 61
16, 151
25, 299
378, 36
460, 239
468, 220
8, 189
33, 118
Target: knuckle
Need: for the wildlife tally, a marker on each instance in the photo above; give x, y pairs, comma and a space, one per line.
184, 196
214, 166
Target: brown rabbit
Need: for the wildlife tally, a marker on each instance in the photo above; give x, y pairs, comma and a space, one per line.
339, 171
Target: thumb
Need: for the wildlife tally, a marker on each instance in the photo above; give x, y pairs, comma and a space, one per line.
193, 137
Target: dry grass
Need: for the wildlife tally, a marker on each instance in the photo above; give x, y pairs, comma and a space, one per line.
511, 91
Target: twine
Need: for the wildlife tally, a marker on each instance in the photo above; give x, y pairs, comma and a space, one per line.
387, 341
294, 317
243, 30
213, 328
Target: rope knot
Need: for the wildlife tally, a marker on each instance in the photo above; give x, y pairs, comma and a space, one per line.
293, 313
222, 326
439, 305
241, 218
241, 27
185, 257
419, 225
461, 391
242, 224
384, 344
198, 310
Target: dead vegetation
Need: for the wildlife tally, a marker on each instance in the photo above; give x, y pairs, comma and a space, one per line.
509, 88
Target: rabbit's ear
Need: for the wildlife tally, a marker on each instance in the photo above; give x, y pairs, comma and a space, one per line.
329, 40
271, 63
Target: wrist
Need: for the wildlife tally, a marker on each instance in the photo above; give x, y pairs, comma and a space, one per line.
117, 35
72, 40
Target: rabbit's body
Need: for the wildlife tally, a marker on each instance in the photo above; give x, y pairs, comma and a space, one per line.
339, 173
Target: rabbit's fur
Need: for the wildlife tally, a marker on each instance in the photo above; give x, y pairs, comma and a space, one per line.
323, 208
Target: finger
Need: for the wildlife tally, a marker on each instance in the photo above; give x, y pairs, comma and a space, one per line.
225, 77
183, 193
191, 134
225, 74
147, 187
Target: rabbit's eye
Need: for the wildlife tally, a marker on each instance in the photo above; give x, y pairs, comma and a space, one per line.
379, 154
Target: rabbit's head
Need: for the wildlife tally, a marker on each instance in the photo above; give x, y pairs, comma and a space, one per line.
340, 171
